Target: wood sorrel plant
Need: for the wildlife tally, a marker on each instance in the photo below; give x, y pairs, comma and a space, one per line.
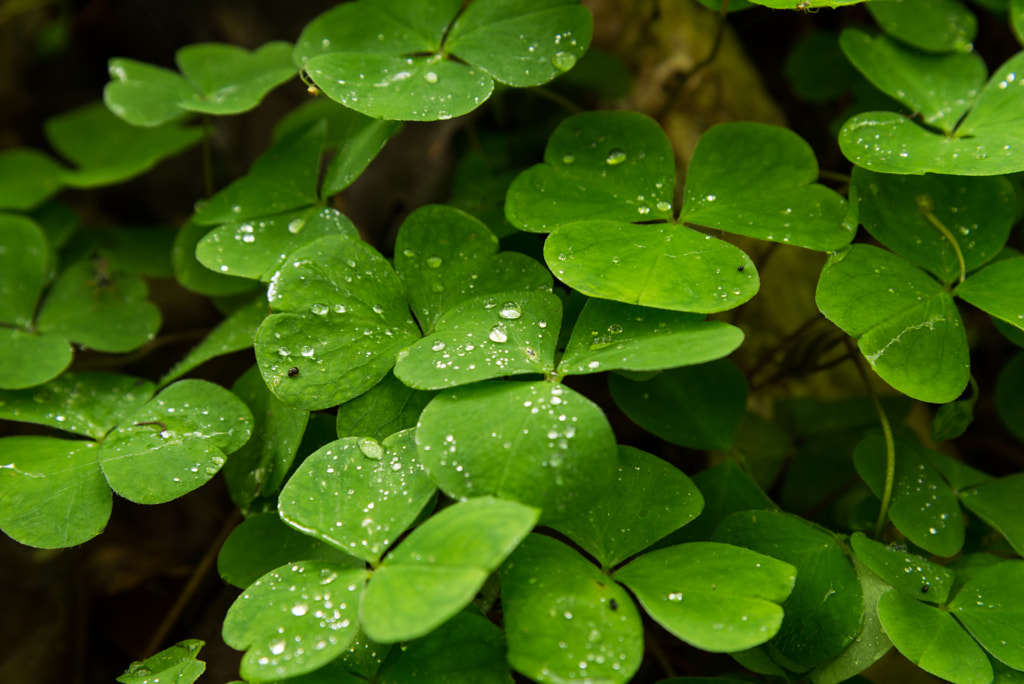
473, 512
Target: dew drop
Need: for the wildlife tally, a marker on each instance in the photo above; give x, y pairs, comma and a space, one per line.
308, 351
616, 156
510, 311
498, 335
430, 77
569, 159
319, 309
295, 225
614, 328
563, 61
434, 261
438, 346
371, 448
664, 206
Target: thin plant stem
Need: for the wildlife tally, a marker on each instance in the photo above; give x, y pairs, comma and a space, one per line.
198, 575
207, 157
890, 443
926, 207
670, 101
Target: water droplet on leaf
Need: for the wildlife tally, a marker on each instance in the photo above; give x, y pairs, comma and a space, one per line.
616, 156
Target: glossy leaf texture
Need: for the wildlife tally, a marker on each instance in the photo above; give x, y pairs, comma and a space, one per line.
990, 606
761, 181
32, 358
257, 248
906, 325
824, 612
695, 406
933, 26
512, 333
565, 619
358, 494
444, 257
923, 506
613, 336
52, 493
107, 150
396, 60
935, 221
259, 467
994, 290
931, 639
295, 619
997, 503
216, 78
438, 569
179, 663
89, 403
539, 443
175, 442
986, 142
909, 573
649, 499
717, 597
340, 318
193, 276
941, 87
263, 542
603, 172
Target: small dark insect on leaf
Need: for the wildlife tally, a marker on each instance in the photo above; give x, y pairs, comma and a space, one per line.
925, 588
293, 371
740, 268
101, 278
613, 604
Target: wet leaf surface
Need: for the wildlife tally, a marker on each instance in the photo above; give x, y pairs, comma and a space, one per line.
648, 500
565, 619
539, 443
714, 596
175, 442
295, 619
358, 494
990, 606
913, 575
438, 569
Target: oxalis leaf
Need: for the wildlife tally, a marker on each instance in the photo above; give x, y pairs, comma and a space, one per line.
606, 172
31, 358
902, 212
996, 290
107, 150
444, 256
987, 142
257, 248
991, 607
923, 506
397, 60
824, 612
438, 569
539, 443
339, 320
27, 178
52, 493
931, 639
941, 87
648, 500
295, 619
358, 494
714, 596
906, 325
483, 338
931, 25
175, 442
177, 663
565, 619
613, 336
216, 79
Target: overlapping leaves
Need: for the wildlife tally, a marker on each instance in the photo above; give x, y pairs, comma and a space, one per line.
605, 193
399, 59
56, 492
